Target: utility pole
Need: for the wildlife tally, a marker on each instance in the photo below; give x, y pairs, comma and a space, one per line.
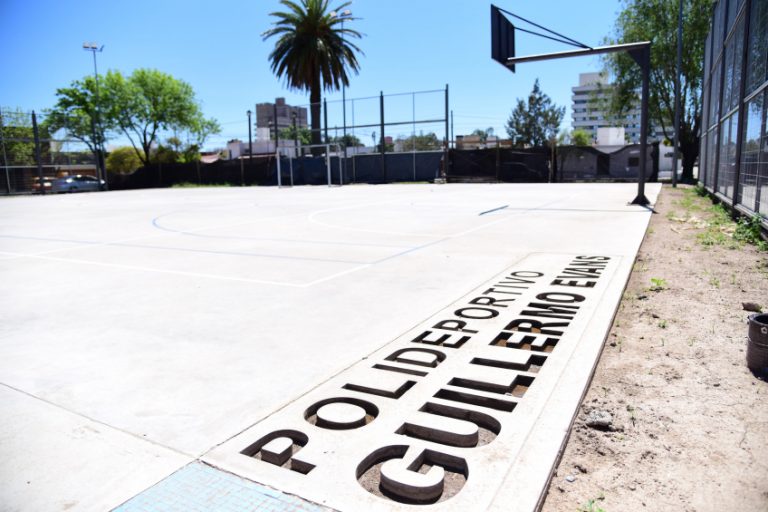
343, 16
101, 173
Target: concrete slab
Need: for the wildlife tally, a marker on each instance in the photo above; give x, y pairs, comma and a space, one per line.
53, 459
187, 316
507, 360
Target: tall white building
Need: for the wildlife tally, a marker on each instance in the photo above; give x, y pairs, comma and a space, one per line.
590, 109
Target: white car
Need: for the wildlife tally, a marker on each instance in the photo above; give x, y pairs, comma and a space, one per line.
77, 183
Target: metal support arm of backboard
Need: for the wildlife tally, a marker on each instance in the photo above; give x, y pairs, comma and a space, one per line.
641, 53
503, 52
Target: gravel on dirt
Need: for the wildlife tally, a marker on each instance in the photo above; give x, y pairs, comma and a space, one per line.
689, 420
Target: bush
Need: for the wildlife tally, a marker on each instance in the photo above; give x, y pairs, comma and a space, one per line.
123, 160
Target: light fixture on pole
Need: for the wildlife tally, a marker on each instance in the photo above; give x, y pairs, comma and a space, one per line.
98, 136
250, 140
345, 14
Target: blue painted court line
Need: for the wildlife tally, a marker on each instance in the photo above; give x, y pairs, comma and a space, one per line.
494, 210
198, 487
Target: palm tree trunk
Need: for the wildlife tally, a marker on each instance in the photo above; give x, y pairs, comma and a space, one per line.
315, 112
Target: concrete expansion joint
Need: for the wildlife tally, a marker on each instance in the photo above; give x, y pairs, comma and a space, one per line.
94, 420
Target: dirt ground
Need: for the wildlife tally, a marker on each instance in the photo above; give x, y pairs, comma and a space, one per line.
689, 429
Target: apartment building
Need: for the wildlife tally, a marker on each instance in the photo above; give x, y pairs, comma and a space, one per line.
589, 110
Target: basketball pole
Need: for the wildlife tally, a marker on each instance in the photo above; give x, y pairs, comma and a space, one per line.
641, 54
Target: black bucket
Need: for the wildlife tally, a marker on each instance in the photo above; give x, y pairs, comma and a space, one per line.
757, 344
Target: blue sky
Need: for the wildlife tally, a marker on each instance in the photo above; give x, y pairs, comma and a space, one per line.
409, 45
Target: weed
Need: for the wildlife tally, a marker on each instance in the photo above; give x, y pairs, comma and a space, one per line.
631, 411
657, 284
763, 268
591, 506
714, 281
687, 203
748, 230
700, 191
720, 215
709, 238
663, 325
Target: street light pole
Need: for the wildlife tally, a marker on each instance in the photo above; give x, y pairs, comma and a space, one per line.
342, 16
98, 135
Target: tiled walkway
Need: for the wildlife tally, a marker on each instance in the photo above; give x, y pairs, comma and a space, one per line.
201, 488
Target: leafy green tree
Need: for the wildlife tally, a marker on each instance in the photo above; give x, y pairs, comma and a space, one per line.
656, 21
75, 113
483, 134
150, 102
174, 151
580, 137
535, 122
389, 146
141, 107
200, 130
123, 160
313, 50
420, 142
17, 138
304, 135
347, 140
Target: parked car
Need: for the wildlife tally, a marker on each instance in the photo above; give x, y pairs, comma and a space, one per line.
47, 185
77, 183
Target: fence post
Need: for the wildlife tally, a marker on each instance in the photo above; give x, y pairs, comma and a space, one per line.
5, 157
383, 143
498, 160
242, 172
197, 168
742, 111
447, 133
325, 118
38, 158
643, 58
413, 132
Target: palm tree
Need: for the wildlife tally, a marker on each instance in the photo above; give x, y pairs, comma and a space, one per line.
313, 50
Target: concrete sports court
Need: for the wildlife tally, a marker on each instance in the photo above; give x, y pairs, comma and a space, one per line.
383, 347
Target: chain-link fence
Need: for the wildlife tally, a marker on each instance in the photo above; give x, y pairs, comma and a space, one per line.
31, 157
734, 141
